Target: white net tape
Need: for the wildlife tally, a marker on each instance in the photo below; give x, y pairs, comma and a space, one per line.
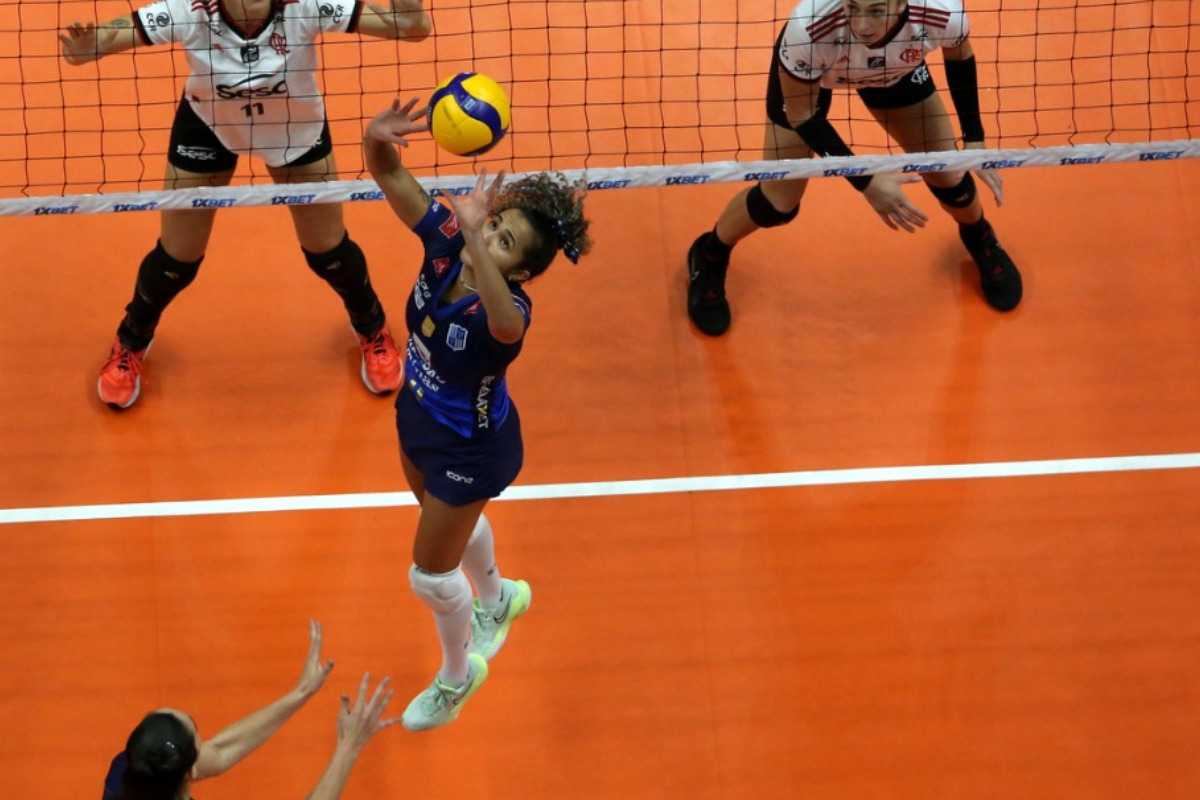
613, 178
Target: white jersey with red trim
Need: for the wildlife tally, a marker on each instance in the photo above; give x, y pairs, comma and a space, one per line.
257, 92
817, 43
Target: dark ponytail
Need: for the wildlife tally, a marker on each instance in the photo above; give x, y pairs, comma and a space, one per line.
159, 754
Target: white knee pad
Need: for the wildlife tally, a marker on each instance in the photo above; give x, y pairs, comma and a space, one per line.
444, 593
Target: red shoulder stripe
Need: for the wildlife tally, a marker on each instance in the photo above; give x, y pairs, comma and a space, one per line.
827, 24
933, 17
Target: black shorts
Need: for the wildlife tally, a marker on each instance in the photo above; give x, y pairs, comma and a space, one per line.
458, 470
195, 148
913, 88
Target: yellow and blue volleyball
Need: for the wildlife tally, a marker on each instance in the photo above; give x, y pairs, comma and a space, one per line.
468, 114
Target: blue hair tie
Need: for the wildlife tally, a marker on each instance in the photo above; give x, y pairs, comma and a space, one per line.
569, 248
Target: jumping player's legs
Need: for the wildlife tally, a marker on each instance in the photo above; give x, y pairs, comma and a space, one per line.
925, 127
338, 260
766, 204
438, 581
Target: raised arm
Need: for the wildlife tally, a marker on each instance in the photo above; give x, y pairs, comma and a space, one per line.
246, 735
84, 42
356, 725
505, 321
390, 128
398, 19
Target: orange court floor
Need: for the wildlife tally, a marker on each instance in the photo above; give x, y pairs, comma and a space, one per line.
936, 630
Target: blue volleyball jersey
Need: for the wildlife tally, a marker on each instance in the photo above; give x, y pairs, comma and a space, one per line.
453, 365
112, 781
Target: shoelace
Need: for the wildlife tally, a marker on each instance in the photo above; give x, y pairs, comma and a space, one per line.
377, 344
126, 361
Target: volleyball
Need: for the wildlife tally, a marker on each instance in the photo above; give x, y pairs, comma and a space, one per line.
468, 114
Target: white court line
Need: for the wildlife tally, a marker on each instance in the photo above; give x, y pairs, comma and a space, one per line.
550, 491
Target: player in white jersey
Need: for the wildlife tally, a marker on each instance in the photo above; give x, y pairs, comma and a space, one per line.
252, 89
878, 48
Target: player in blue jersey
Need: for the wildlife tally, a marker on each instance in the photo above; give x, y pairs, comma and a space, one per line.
460, 435
252, 89
876, 47
165, 753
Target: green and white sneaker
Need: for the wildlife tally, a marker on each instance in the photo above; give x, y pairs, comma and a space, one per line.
489, 626
440, 704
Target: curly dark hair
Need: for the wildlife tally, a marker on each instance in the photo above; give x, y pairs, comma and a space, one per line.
553, 205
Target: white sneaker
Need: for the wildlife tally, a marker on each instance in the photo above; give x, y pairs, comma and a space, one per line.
440, 704
489, 626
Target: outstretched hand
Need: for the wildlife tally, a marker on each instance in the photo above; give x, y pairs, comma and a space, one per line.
358, 723
394, 124
893, 206
474, 209
315, 671
990, 177
82, 43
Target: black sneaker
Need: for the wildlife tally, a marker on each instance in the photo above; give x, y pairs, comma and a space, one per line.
707, 306
998, 275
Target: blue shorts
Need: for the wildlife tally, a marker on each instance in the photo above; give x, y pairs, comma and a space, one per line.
458, 470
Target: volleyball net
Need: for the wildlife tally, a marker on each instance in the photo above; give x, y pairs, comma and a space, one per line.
623, 93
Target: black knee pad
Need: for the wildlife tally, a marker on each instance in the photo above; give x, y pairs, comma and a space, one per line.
347, 257
344, 268
959, 196
763, 214
159, 279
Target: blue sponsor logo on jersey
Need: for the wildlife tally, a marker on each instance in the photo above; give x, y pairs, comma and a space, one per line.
621, 184
153, 204
44, 210
1002, 163
937, 167
680, 180
292, 199
456, 337
367, 195
1161, 155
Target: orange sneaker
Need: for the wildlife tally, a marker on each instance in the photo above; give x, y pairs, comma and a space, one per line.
121, 378
381, 368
